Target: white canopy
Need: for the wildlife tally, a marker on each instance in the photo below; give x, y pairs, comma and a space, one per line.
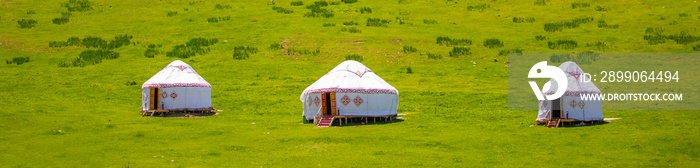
359, 92
177, 87
571, 105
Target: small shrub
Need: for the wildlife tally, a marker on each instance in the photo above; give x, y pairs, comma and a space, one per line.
448, 41
26, 23
217, 19
376, 22
351, 30
91, 57
350, 23
601, 8
328, 24
459, 51
523, 19
30, 12
364, 10
654, 36
579, 5
683, 38
426, 21
480, 7
602, 24
409, 49
191, 48
296, 3
541, 38
599, 45
152, 51
559, 26
355, 57
294, 51
282, 10
349, 1
493, 43
128, 83
317, 10
514, 51
540, 2
61, 20
78, 5
434, 56
243, 52
172, 13
696, 47
221, 7
18, 60
562, 44
275, 46
408, 70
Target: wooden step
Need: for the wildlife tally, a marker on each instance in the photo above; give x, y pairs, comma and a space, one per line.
325, 121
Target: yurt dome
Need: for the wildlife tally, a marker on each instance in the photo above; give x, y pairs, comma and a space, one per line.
176, 87
350, 89
570, 106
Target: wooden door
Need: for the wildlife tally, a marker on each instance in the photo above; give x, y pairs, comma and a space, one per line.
328, 106
154, 99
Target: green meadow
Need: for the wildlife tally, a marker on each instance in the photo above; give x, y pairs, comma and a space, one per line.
74, 68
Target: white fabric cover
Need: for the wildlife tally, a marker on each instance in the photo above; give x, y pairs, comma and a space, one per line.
181, 88
583, 110
352, 79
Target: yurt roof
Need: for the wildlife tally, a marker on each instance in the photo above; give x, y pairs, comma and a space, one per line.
351, 77
573, 74
176, 74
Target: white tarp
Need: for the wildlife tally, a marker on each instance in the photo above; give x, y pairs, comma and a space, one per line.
358, 92
181, 88
571, 103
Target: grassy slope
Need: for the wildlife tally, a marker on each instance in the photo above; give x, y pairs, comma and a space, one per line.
456, 113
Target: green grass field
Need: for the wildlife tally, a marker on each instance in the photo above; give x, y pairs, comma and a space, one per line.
57, 114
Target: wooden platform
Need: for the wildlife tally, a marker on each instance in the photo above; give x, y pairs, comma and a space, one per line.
165, 112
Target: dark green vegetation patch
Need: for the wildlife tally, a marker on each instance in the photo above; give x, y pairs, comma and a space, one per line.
26, 23
191, 48
18, 60
243, 52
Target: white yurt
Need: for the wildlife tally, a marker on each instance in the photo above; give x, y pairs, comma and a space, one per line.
350, 90
176, 88
570, 106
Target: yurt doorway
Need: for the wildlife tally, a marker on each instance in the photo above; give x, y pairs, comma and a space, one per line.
328, 106
556, 108
155, 99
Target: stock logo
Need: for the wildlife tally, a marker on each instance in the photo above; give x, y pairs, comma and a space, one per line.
542, 70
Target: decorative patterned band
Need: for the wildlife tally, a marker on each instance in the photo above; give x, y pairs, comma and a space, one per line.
363, 91
168, 85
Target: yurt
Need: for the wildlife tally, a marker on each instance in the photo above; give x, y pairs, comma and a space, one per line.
176, 88
570, 107
349, 91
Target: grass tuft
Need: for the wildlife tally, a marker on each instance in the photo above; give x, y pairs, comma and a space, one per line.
480, 7
448, 41
434, 56
541, 38
282, 10
508, 51
351, 30
355, 57
78, 5
460, 51
493, 43
562, 44
296, 3
559, 26
364, 10
243, 52
523, 19
61, 20
191, 48
26, 23
603, 24
376, 22
409, 49
18, 60
579, 5
90, 57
